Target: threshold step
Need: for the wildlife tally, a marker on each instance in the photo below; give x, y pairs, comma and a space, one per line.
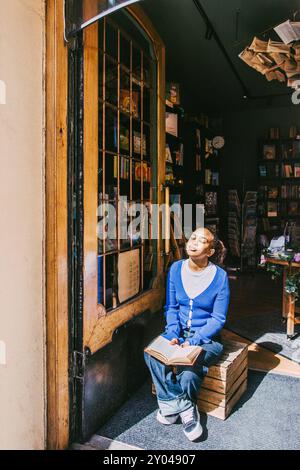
103, 443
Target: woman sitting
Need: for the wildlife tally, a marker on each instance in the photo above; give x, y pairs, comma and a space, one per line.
197, 301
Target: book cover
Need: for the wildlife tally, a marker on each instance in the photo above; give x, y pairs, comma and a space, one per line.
297, 170
173, 93
138, 142
273, 193
269, 152
124, 139
272, 209
125, 102
172, 124
168, 154
211, 203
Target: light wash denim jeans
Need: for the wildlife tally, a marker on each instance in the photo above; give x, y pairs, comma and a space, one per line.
176, 392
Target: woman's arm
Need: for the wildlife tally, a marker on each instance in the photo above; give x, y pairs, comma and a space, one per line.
218, 317
171, 309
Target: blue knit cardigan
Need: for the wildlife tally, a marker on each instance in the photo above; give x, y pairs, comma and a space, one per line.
207, 311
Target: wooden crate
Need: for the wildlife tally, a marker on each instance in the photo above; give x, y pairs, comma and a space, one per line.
225, 382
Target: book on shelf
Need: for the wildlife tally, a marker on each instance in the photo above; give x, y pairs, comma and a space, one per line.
162, 350
293, 208
173, 93
172, 124
179, 154
168, 154
215, 178
211, 203
124, 168
198, 162
273, 192
169, 176
198, 138
296, 149
287, 171
262, 171
269, 152
272, 209
297, 170
139, 144
124, 138
126, 103
274, 133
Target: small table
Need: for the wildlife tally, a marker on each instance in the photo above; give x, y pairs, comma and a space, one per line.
288, 303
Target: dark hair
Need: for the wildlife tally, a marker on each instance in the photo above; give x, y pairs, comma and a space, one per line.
220, 251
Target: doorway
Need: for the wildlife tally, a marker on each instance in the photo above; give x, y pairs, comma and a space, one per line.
115, 276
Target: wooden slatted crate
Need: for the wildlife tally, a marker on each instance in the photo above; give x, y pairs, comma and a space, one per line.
225, 382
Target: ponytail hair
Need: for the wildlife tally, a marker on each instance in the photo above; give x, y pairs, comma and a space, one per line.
220, 251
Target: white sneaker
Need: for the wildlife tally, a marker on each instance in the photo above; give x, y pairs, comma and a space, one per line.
167, 420
191, 423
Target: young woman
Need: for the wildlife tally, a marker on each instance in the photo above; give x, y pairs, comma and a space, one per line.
197, 301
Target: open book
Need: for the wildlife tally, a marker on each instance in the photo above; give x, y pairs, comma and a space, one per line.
173, 355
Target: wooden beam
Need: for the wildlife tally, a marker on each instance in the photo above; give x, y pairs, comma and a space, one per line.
56, 229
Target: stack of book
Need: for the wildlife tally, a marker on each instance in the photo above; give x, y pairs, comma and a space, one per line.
234, 217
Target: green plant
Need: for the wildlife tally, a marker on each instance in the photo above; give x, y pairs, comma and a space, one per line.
292, 284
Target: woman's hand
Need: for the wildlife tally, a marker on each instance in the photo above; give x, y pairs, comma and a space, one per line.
174, 341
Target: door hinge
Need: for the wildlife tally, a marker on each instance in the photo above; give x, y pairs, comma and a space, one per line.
78, 365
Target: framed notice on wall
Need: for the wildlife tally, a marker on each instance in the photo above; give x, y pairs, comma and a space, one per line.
129, 274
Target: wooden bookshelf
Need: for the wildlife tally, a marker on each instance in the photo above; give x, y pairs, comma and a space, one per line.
202, 174
279, 184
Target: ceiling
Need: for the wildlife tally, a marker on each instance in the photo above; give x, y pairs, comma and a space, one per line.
207, 80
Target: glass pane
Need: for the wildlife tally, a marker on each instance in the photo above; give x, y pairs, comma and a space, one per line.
124, 176
111, 129
136, 100
111, 82
147, 181
107, 227
146, 70
111, 277
111, 43
146, 105
124, 221
148, 263
124, 134
100, 279
146, 145
136, 180
136, 64
111, 177
79, 14
135, 223
137, 140
125, 51
124, 91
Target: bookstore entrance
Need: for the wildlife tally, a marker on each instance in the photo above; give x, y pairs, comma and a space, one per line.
154, 116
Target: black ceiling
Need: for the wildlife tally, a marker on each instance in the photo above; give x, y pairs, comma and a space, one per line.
206, 79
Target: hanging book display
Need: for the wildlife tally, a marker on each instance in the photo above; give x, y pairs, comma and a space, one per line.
274, 59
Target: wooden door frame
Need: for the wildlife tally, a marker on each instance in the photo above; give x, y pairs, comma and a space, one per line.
57, 211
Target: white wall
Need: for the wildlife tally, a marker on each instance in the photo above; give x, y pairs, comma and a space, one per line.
22, 325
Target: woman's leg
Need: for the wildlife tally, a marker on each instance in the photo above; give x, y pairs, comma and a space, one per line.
171, 399
191, 378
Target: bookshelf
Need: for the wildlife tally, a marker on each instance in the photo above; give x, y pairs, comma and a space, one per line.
279, 185
202, 171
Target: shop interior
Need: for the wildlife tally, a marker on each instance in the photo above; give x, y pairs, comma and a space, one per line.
232, 144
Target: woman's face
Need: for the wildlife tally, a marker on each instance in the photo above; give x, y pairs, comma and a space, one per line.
200, 244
